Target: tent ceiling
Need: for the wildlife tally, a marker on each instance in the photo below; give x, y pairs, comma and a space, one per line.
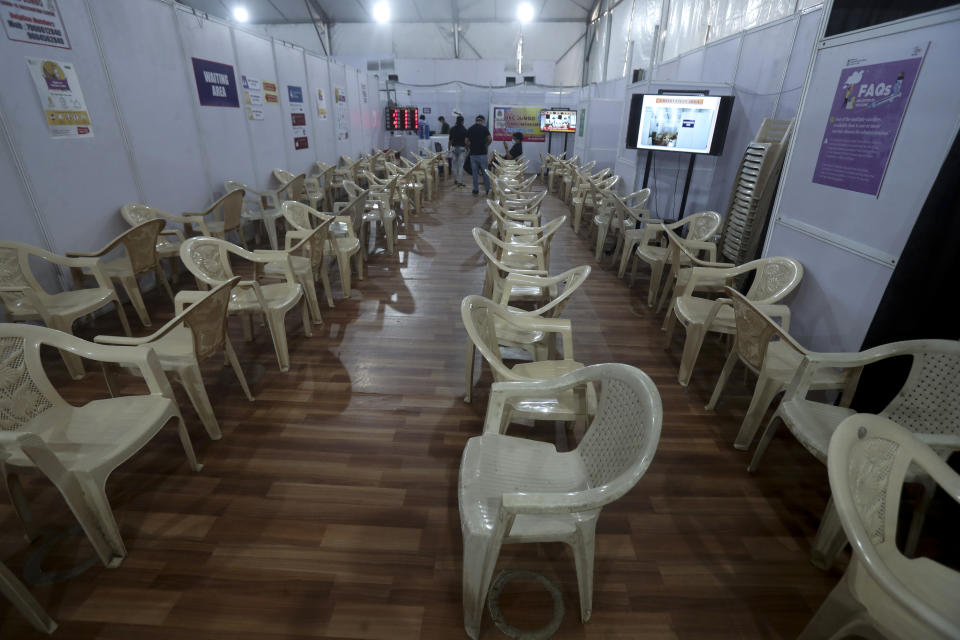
417, 11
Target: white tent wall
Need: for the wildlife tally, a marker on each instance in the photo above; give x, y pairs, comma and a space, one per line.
850, 242
152, 141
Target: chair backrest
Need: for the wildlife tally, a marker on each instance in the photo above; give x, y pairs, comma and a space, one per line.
299, 215
208, 259
232, 204
867, 461
480, 317
207, 319
700, 226
282, 176
755, 330
25, 390
775, 277
680, 254
929, 402
15, 271
312, 245
135, 213
296, 189
140, 243
621, 441
357, 205
494, 248
565, 284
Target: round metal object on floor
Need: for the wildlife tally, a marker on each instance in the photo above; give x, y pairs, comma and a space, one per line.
493, 605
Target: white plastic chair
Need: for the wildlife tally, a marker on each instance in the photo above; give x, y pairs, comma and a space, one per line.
629, 212
586, 194
681, 259
928, 405
230, 217
77, 448
208, 259
194, 334
883, 593
702, 225
259, 206
514, 490
17, 593
168, 243
25, 300
504, 258
767, 350
302, 219
773, 280
139, 258
307, 259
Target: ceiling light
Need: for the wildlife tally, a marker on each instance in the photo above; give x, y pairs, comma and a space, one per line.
240, 14
525, 12
381, 12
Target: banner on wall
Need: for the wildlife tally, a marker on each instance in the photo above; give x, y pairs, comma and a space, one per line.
509, 120
321, 105
34, 21
216, 84
298, 117
61, 98
340, 100
865, 117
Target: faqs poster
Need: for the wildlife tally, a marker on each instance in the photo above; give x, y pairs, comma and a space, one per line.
865, 117
61, 98
508, 120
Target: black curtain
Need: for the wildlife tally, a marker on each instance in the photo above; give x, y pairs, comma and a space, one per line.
917, 300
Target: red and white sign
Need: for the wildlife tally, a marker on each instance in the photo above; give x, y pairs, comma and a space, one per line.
34, 21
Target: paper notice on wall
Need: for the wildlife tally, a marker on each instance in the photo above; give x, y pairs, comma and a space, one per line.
34, 21
363, 91
270, 95
321, 105
254, 113
865, 117
343, 126
252, 92
298, 116
61, 98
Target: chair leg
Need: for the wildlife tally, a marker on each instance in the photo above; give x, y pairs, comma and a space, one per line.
763, 395
21, 506
479, 560
305, 313
840, 616
278, 332
468, 387
162, 278
73, 363
668, 288
633, 269
270, 225
87, 498
577, 214
656, 274
192, 382
358, 261
691, 351
601, 239
722, 380
186, 443
830, 538
325, 279
626, 251
583, 554
132, 288
23, 600
310, 292
765, 438
235, 364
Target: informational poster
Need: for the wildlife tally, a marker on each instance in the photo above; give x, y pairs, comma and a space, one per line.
343, 126
321, 105
216, 84
252, 91
298, 116
255, 113
583, 122
363, 91
61, 98
270, 95
34, 21
509, 120
865, 118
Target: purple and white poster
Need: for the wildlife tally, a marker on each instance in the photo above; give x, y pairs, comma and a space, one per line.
865, 117
216, 84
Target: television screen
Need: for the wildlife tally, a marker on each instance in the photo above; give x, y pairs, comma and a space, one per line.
687, 123
558, 120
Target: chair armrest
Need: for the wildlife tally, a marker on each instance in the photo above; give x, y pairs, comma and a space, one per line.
702, 245
555, 503
173, 232
351, 232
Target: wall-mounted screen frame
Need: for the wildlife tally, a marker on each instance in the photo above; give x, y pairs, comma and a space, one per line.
683, 122
558, 120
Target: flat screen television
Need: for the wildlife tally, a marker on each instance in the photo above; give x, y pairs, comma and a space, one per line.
674, 122
558, 120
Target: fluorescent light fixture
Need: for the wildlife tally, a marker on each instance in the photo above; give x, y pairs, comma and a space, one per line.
525, 12
381, 12
240, 14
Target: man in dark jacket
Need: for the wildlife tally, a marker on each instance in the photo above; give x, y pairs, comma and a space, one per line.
457, 146
478, 137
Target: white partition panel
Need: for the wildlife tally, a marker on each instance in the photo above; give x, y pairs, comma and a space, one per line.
338, 82
223, 130
853, 240
79, 183
356, 112
793, 79
160, 122
324, 137
691, 66
292, 74
721, 59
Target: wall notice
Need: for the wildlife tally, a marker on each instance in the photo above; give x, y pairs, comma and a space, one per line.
252, 94
61, 98
298, 117
865, 118
509, 120
343, 127
270, 92
216, 84
321, 105
34, 21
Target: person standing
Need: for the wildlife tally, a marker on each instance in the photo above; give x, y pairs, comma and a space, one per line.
444, 127
457, 145
423, 129
478, 137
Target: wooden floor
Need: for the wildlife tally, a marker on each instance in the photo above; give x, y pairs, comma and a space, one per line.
329, 508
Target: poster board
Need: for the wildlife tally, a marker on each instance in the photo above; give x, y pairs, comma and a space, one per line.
508, 119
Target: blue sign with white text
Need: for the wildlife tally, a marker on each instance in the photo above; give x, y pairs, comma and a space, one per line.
294, 93
216, 84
